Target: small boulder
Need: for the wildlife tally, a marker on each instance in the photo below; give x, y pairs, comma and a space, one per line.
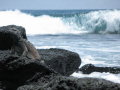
63, 61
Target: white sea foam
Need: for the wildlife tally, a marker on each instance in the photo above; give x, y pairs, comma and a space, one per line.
48, 47
45, 47
102, 21
96, 21
105, 19
111, 77
103, 49
87, 59
34, 25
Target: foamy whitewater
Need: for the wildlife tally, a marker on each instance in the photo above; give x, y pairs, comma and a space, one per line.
93, 34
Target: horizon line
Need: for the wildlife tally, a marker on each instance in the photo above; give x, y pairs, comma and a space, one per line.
57, 9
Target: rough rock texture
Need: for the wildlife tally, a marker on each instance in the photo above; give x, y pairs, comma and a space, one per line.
63, 61
6, 41
16, 71
89, 68
70, 83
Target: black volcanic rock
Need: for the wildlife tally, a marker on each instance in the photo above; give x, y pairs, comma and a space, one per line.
63, 61
16, 71
89, 68
71, 83
6, 41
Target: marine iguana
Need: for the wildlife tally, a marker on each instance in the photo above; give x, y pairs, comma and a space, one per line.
23, 47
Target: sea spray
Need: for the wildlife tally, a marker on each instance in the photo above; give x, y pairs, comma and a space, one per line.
98, 22
34, 25
105, 21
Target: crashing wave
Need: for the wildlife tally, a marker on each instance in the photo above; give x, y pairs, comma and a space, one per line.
102, 21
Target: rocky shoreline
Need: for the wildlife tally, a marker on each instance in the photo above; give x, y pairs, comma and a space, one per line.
20, 73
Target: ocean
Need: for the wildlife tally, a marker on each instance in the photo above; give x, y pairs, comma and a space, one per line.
93, 34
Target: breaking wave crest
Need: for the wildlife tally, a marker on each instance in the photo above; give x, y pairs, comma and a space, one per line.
102, 22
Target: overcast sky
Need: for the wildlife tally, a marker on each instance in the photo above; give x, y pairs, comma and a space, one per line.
59, 4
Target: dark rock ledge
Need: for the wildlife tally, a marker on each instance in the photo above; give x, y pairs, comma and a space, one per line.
71, 83
89, 68
20, 73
